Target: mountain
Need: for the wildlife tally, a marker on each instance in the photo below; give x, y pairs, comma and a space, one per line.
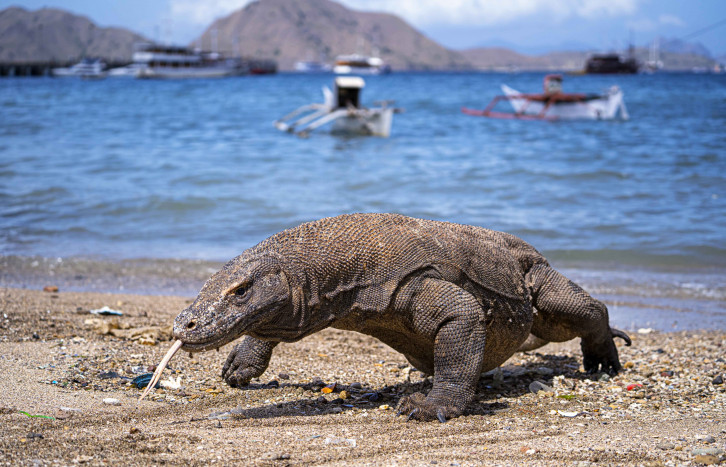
292, 30
677, 46
50, 34
499, 59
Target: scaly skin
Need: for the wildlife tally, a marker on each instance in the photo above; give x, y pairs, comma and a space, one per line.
456, 300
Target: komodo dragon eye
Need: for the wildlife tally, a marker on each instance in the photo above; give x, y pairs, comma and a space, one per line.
241, 291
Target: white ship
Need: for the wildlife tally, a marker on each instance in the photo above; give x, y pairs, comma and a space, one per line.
174, 62
357, 64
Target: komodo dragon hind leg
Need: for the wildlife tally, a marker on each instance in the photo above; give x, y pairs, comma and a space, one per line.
566, 311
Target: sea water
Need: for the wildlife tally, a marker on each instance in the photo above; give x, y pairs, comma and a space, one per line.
124, 169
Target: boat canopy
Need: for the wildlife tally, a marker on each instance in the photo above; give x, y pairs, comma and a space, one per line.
347, 91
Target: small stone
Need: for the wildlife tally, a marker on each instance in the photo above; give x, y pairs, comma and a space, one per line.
344, 395
665, 446
537, 386
111, 401
50, 288
275, 456
108, 375
717, 380
283, 376
273, 384
706, 459
372, 396
707, 452
133, 430
322, 400
603, 377
708, 439
356, 386
337, 410
628, 365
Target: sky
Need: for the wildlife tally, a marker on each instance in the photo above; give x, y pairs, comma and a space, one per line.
527, 26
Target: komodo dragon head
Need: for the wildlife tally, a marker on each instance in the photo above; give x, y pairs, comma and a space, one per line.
249, 293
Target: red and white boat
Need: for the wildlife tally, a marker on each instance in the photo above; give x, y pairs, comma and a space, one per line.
553, 104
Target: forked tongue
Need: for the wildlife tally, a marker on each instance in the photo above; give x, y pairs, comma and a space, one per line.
160, 368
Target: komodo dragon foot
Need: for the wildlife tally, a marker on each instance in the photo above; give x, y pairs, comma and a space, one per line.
603, 355
418, 407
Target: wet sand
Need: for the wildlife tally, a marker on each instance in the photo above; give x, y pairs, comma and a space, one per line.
57, 360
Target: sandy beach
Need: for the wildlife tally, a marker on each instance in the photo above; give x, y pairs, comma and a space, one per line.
67, 398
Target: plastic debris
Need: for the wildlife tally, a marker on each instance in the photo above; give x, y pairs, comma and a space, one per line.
106, 311
37, 416
351, 442
142, 381
169, 383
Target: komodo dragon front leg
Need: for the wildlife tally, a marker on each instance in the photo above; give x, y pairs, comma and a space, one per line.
453, 321
247, 360
566, 311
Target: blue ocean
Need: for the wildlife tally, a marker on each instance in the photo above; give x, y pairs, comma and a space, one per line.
122, 171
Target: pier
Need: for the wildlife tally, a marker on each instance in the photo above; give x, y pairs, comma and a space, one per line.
41, 68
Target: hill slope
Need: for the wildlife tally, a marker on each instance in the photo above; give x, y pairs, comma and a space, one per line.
51, 34
292, 30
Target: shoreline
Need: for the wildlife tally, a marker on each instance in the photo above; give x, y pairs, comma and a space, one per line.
666, 407
662, 298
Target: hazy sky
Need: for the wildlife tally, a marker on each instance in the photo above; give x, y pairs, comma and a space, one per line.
529, 26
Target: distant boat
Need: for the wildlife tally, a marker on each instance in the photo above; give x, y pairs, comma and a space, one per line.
553, 104
260, 66
312, 66
342, 109
357, 64
88, 68
128, 71
611, 63
174, 62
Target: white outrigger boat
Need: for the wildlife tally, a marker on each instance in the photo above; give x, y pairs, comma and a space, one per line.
554, 104
342, 109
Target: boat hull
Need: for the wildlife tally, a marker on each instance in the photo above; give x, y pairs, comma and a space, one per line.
366, 122
603, 107
182, 73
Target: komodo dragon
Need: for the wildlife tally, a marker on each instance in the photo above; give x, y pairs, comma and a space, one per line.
455, 300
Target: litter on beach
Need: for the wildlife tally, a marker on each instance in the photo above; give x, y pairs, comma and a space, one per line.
106, 311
